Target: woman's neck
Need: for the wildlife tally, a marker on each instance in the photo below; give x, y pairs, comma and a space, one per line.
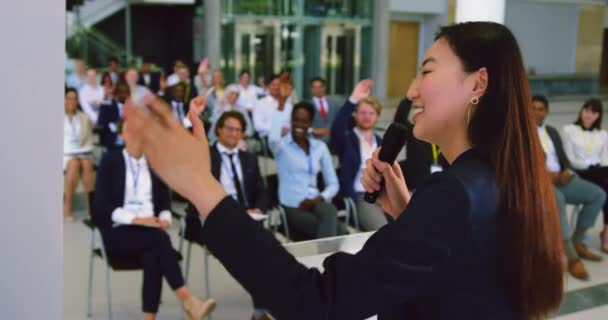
455, 147
70, 114
302, 143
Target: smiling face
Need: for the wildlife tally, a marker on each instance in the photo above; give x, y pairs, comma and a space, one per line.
300, 123
440, 94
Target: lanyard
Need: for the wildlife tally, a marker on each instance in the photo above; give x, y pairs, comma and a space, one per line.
135, 175
73, 123
435, 154
587, 139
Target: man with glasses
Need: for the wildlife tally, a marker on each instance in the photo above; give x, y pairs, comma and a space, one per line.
239, 174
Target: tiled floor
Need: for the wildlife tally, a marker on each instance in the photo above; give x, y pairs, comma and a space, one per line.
584, 300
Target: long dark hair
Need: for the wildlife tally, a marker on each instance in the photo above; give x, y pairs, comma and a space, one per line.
502, 130
594, 105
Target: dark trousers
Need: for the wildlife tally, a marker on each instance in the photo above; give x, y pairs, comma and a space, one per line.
598, 176
158, 259
320, 222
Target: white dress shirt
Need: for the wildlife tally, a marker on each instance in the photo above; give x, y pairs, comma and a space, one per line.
180, 113
138, 193
265, 110
248, 97
585, 148
226, 171
549, 148
366, 150
87, 97
138, 93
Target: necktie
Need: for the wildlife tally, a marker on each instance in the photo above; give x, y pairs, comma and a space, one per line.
322, 109
180, 112
237, 183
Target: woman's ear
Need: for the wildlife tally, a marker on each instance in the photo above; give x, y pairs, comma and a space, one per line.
481, 82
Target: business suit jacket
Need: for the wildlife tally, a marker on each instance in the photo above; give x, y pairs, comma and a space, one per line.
154, 84
255, 192
559, 148
320, 122
345, 144
110, 190
437, 260
109, 115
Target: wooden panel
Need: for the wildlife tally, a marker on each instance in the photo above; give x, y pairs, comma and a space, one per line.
402, 57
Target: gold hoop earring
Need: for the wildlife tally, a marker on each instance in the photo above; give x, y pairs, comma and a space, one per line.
474, 100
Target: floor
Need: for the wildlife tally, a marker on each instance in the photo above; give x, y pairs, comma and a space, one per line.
583, 300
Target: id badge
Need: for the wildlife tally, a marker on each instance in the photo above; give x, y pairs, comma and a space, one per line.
113, 127
436, 168
135, 205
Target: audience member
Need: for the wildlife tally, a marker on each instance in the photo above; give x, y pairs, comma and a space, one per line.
299, 160
571, 189
91, 95
114, 69
586, 146
78, 77
77, 151
108, 88
215, 94
147, 78
110, 115
248, 93
325, 111
132, 211
190, 91
230, 103
267, 107
354, 146
261, 83
138, 92
173, 78
175, 96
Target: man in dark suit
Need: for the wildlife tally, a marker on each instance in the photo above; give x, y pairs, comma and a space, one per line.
147, 78
110, 115
325, 110
569, 189
239, 174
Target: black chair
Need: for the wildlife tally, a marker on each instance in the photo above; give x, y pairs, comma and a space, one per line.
116, 263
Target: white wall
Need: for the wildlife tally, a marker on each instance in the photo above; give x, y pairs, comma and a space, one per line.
546, 33
31, 159
419, 6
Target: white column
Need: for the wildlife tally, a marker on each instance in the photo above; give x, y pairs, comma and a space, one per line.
475, 10
213, 32
380, 46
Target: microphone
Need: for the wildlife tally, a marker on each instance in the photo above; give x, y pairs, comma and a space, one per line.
392, 142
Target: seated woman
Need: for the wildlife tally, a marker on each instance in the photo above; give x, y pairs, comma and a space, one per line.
230, 103
299, 159
354, 146
586, 145
132, 212
77, 151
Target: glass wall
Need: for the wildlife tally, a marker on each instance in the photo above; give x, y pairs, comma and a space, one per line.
307, 37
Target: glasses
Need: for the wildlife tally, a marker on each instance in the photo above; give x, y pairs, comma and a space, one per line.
232, 129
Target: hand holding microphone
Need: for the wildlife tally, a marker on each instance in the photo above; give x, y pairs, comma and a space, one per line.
382, 177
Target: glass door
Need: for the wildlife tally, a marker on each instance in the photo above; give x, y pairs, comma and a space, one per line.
257, 49
340, 58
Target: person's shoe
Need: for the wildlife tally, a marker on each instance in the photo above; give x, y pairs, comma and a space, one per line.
585, 253
576, 268
197, 309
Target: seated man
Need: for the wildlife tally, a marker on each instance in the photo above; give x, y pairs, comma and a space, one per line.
131, 210
239, 174
325, 110
110, 115
175, 97
569, 188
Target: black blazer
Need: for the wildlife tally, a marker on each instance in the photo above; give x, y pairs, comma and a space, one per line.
559, 147
438, 260
107, 121
154, 84
345, 144
110, 190
255, 192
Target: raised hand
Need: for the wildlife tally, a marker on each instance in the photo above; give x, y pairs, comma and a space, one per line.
197, 105
203, 66
362, 90
179, 158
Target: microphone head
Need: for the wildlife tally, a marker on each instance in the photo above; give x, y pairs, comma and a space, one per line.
393, 141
